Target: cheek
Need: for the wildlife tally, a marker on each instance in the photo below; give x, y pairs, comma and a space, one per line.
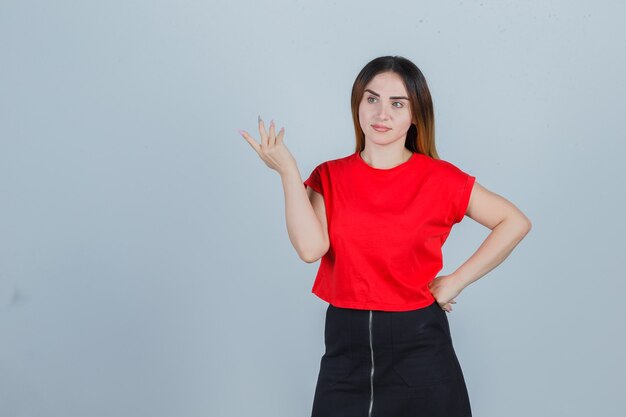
406, 118
362, 115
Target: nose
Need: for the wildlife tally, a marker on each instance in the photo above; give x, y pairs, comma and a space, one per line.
383, 112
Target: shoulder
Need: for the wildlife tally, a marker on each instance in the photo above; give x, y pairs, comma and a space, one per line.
444, 165
341, 160
337, 163
447, 169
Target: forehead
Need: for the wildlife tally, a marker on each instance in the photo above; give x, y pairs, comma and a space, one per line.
387, 84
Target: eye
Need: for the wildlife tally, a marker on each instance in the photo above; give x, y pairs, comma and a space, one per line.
370, 98
400, 104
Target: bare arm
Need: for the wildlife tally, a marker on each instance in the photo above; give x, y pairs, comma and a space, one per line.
304, 210
508, 227
306, 218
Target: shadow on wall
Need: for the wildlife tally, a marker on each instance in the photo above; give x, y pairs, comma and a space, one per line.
10, 295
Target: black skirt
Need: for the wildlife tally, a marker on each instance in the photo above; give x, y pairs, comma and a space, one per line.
389, 364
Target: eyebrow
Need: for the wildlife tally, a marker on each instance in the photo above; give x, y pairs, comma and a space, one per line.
393, 97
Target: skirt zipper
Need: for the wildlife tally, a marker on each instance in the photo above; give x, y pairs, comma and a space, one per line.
372, 371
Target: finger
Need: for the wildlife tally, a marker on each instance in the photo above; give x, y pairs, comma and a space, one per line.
262, 132
250, 140
281, 135
272, 135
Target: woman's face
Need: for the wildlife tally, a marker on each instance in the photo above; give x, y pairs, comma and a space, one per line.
385, 102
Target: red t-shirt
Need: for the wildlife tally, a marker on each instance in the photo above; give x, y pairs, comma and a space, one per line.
386, 229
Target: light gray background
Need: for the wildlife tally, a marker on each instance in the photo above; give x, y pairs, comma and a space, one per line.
145, 265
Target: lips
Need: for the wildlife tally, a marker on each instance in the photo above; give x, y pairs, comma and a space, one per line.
381, 128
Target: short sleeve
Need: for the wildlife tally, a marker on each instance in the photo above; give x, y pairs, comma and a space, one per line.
461, 191
315, 181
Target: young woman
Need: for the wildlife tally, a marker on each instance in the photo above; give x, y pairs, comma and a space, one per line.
378, 218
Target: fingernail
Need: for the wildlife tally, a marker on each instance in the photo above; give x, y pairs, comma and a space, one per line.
259, 118
240, 131
272, 122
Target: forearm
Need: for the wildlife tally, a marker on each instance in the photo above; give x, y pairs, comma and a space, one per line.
303, 226
493, 251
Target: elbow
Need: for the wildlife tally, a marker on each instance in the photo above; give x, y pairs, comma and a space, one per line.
309, 259
524, 226
314, 254
529, 226
517, 224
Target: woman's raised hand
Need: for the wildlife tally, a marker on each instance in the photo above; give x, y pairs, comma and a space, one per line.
272, 149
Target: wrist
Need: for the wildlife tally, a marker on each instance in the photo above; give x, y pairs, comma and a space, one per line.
458, 281
290, 174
